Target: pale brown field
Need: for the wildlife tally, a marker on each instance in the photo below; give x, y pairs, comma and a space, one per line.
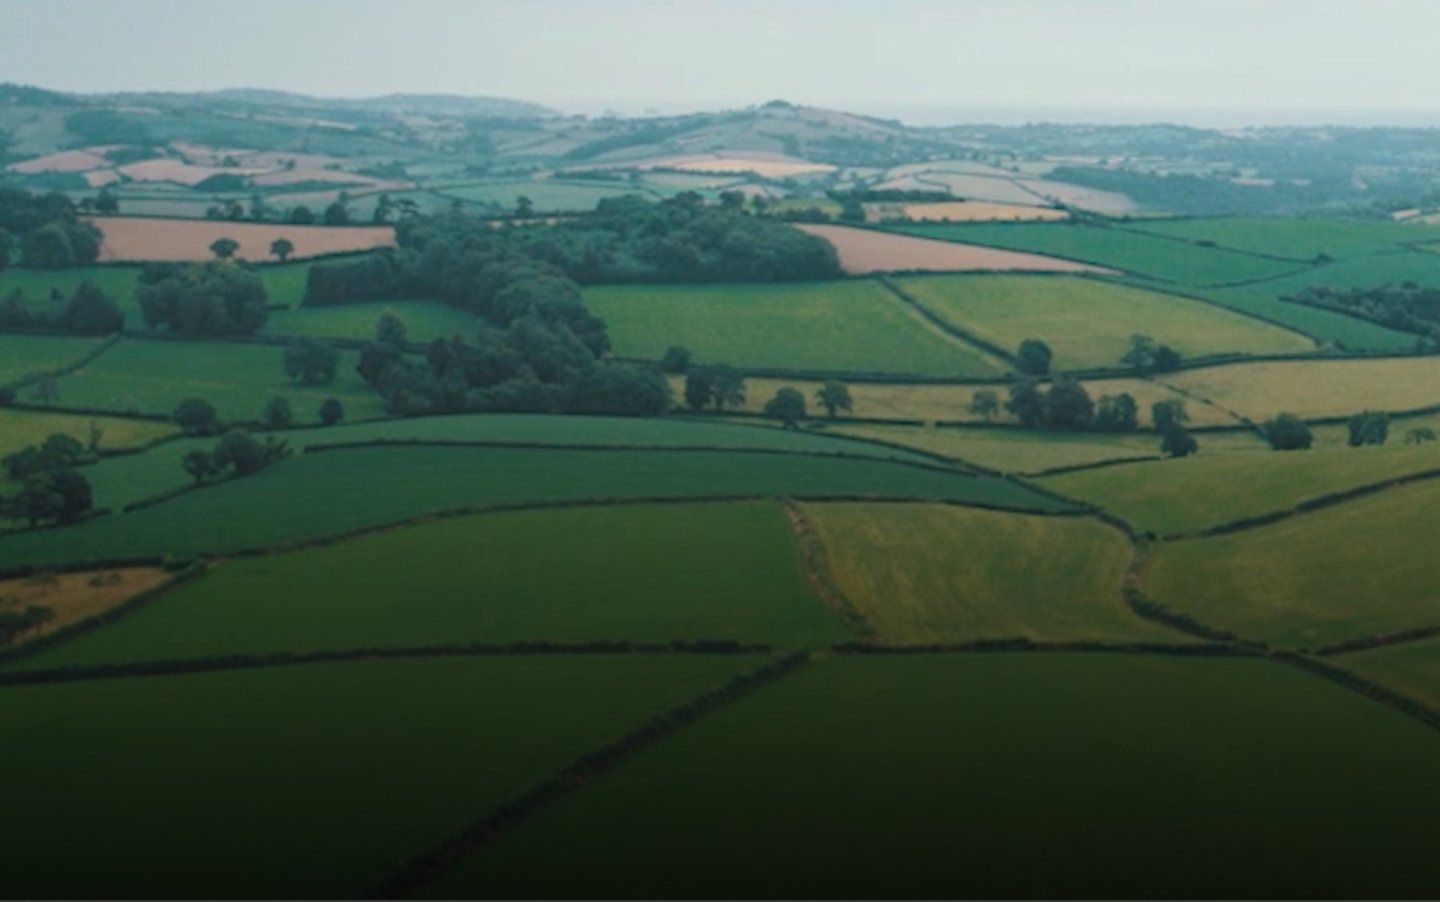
136, 239
73, 597
979, 211
865, 251
335, 176
179, 172
65, 161
99, 178
1319, 388
768, 165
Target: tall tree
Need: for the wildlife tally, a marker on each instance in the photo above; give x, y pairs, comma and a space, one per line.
224, 248
282, 248
1033, 357
834, 396
788, 406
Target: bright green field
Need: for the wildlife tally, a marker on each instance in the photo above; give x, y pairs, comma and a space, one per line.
119, 481
1158, 258
284, 284
319, 494
1089, 323
23, 355
1299, 239
547, 196
936, 573
1360, 568
1001, 776
1193, 493
1410, 668
19, 428
154, 376
296, 782
424, 320
850, 325
646, 573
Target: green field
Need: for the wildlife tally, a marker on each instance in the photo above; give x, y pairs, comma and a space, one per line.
284, 284
1199, 492
1001, 776
424, 321
1410, 668
923, 574
19, 428
1302, 240
1360, 568
1315, 388
148, 376
837, 326
548, 196
644, 573
296, 782
24, 355
1089, 323
320, 494
1154, 257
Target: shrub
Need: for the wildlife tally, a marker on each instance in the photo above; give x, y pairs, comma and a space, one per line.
1287, 432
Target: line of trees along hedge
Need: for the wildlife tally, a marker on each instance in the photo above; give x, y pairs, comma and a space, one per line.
47, 231
1407, 307
202, 298
88, 311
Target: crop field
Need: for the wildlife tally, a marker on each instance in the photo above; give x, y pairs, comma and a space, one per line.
1177, 496
322, 494
439, 758
1356, 569
865, 251
73, 597
642, 573
828, 326
1159, 258
922, 574
1001, 776
135, 239
979, 211
424, 320
25, 355
1302, 240
1319, 388
1089, 323
980, 187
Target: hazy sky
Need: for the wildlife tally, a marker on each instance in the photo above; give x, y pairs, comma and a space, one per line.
909, 57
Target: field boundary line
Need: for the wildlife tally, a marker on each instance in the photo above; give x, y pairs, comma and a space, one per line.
942, 325
421, 869
1132, 593
1382, 640
217, 663
816, 561
1370, 689
103, 344
1022, 645
1093, 465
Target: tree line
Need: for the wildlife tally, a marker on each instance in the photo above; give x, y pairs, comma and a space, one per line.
45, 230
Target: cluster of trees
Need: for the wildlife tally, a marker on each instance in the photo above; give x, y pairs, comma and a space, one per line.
46, 230
202, 298
50, 488
237, 452
89, 310
196, 416
1146, 356
721, 386
1407, 307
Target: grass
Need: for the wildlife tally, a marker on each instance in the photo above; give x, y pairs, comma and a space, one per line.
297, 782
425, 320
1088, 322
139, 376
1411, 668
321, 494
72, 597
1156, 258
548, 196
1316, 388
1001, 776
1199, 492
852, 325
643, 573
24, 355
1302, 240
284, 284
932, 573
1357, 569
19, 428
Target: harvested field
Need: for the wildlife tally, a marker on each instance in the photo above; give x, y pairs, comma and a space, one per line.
73, 597
995, 189
778, 168
864, 251
179, 172
1091, 199
64, 161
1316, 388
136, 239
978, 211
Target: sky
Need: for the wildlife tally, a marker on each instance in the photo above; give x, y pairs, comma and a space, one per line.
925, 61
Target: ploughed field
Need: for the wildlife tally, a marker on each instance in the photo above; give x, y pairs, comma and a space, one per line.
929, 646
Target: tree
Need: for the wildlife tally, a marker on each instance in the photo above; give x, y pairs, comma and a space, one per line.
676, 359
90, 311
1025, 402
1420, 435
58, 495
1287, 432
727, 387
7, 248
699, 388
834, 396
390, 328
240, 450
282, 248
1068, 405
1165, 414
524, 207
276, 414
788, 406
1176, 441
199, 464
331, 411
302, 215
1145, 356
48, 247
106, 202
224, 248
202, 299
311, 361
984, 403
1033, 357
337, 214
196, 416
1368, 428
1117, 413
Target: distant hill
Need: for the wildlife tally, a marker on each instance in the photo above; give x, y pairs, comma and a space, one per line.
457, 105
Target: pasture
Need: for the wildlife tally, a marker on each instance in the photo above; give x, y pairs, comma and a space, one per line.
1088, 322
864, 251
1409, 668
923, 574
641, 573
28, 355
19, 428
1300, 239
138, 239
1357, 569
1001, 776
332, 774
424, 320
828, 326
549, 196
1316, 388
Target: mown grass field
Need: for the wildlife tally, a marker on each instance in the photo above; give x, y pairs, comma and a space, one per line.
1199, 492
320, 494
151, 376
297, 782
1088, 322
1316, 388
1357, 569
1410, 668
24, 355
424, 321
1299, 239
854, 325
19, 428
644, 573
1157, 258
1001, 776
923, 574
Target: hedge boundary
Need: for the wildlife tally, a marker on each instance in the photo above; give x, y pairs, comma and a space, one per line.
1020, 644
1368, 688
816, 561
